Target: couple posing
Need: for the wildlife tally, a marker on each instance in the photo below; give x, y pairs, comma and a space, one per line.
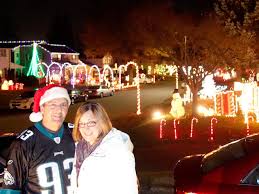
53, 157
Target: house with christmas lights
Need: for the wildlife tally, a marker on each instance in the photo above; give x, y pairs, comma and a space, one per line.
18, 58
44, 52
8, 67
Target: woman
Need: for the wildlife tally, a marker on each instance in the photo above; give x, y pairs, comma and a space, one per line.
104, 162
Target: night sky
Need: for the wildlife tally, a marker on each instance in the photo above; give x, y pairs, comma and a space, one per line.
30, 19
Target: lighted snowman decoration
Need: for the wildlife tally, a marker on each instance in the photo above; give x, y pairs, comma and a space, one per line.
5, 85
177, 109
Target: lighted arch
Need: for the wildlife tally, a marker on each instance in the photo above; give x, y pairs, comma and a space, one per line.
120, 69
60, 68
99, 73
80, 65
68, 65
104, 69
47, 71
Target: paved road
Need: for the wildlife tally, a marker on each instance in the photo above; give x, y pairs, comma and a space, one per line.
122, 103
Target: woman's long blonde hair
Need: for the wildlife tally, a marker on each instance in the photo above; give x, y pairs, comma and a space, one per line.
99, 112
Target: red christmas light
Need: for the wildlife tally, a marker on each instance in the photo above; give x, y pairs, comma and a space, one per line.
196, 121
212, 128
175, 128
162, 123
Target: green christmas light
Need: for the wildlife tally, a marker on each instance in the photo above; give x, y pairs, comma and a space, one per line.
35, 69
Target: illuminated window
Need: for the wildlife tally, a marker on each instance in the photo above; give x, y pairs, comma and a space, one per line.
59, 56
74, 57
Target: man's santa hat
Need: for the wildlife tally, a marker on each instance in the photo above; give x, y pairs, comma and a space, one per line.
46, 94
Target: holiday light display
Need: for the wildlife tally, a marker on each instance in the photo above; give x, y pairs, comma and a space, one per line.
162, 123
52, 72
187, 97
171, 69
47, 71
120, 70
35, 68
208, 87
66, 66
213, 120
176, 122
192, 122
52, 75
250, 91
225, 103
99, 73
138, 87
107, 67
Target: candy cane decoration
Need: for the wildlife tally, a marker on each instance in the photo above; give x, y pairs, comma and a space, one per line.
138, 86
196, 121
212, 129
162, 123
247, 125
175, 128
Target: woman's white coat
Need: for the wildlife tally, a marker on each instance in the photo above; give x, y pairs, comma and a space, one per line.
110, 169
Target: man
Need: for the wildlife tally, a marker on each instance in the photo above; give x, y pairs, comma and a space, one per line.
41, 158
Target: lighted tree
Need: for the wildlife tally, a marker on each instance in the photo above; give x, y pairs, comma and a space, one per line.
35, 69
208, 87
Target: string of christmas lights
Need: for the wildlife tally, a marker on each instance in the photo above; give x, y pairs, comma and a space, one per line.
192, 122
162, 123
213, 119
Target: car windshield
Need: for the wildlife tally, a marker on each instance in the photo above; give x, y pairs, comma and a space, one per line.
229, 152
27, 94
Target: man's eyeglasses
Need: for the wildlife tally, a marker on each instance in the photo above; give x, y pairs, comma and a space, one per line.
88, 124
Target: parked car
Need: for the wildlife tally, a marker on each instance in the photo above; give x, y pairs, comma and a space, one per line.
5, 142
232, 168
99, 91
77, 95
23, 101
145, 79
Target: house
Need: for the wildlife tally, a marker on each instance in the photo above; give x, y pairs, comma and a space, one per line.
46, 53
8, 68
16, 56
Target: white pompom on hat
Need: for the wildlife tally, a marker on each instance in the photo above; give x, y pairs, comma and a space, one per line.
46, 94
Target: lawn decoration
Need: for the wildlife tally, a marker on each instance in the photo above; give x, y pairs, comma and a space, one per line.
176, 122
225, 103
137, 82
5, 85
177, 109
192, 122
213, 119
249, 100
162, 123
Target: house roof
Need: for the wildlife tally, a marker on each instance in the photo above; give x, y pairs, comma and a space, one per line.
57, 48
12, 44
52, 48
